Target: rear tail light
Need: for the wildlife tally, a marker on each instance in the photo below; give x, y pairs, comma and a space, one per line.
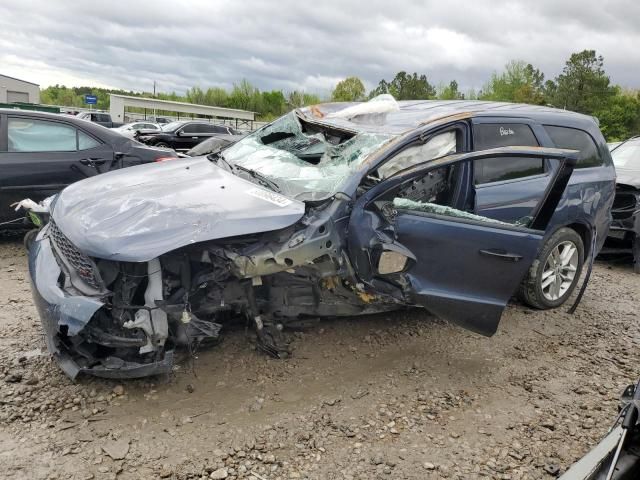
164, 159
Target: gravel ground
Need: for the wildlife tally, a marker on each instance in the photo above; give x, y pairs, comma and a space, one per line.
393, 396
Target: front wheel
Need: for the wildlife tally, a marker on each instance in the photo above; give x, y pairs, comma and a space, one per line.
162, 145
29, 238
555, 273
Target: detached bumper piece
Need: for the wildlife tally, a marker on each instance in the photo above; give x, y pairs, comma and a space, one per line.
114, 367
66, 318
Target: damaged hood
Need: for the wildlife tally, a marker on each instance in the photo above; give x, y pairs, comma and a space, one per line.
138, 213
628, 176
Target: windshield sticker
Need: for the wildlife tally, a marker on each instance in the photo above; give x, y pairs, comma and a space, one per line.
271, 197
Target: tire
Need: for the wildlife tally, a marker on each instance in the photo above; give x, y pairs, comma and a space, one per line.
162, 145
29, 237
542, 289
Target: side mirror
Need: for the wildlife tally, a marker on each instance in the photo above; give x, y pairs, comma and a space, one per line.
179, 133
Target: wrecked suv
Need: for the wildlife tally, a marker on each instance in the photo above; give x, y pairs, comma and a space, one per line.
333, 210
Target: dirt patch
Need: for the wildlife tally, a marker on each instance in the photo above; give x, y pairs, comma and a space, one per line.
398, 395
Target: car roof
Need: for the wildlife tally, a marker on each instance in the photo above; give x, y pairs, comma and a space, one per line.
414, 114
98, 130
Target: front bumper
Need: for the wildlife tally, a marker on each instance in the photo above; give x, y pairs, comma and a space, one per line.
64, 317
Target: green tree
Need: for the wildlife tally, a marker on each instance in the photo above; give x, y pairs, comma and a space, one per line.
520, 82
450, 92
350, 89
273, 104
216, 96
406, 86
245, 97
583, 86
195, 95
297, 99
620, 116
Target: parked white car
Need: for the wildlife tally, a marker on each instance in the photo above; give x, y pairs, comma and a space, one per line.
131, 129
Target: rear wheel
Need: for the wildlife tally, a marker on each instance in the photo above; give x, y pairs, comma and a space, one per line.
162, 145
555, 273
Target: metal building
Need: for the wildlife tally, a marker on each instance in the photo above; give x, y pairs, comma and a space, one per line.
14, 90
237, 118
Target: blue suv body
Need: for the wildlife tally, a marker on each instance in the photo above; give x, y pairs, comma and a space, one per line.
332, 210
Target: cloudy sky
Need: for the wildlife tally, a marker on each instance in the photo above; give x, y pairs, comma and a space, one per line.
293, 44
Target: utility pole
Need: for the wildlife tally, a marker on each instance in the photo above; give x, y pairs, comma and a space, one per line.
154, 96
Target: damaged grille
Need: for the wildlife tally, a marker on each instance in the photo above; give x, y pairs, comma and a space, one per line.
624, 204
81, 263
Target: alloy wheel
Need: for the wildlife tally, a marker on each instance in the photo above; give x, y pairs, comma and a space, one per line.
559, 270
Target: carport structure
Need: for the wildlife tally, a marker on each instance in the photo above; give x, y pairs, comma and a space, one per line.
237, 118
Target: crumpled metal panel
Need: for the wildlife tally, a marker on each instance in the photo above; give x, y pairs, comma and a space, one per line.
139, 213
626, 176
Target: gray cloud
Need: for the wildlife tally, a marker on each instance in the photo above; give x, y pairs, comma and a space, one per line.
290, 44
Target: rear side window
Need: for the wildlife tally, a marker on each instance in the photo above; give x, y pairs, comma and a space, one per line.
85, 142
495, 135
219, 129
574, 139
192, 128
26, 135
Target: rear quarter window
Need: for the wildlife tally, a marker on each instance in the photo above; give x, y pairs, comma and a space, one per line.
495, 135
574, 139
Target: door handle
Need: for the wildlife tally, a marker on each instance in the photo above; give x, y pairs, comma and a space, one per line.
91, 162
496, 252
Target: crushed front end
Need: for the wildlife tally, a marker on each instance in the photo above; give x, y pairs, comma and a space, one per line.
624, 232
122, 319
77, 310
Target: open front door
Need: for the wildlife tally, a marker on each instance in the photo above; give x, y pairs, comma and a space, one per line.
409, 237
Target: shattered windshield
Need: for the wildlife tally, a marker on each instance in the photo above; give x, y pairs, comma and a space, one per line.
306, 162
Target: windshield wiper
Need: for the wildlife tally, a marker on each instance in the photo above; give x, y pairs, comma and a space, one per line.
219, 158
267, 182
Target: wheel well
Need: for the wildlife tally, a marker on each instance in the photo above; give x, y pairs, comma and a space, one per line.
584, 232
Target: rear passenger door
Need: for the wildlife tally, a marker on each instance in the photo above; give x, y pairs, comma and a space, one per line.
508, 188
41, 156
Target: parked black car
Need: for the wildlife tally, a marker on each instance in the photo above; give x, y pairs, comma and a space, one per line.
185, 135
624, 233
41, 153
334, 210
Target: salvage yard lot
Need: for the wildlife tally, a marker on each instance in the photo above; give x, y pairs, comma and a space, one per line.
396, 395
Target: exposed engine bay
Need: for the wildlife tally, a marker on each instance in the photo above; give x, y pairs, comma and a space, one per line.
185, 297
